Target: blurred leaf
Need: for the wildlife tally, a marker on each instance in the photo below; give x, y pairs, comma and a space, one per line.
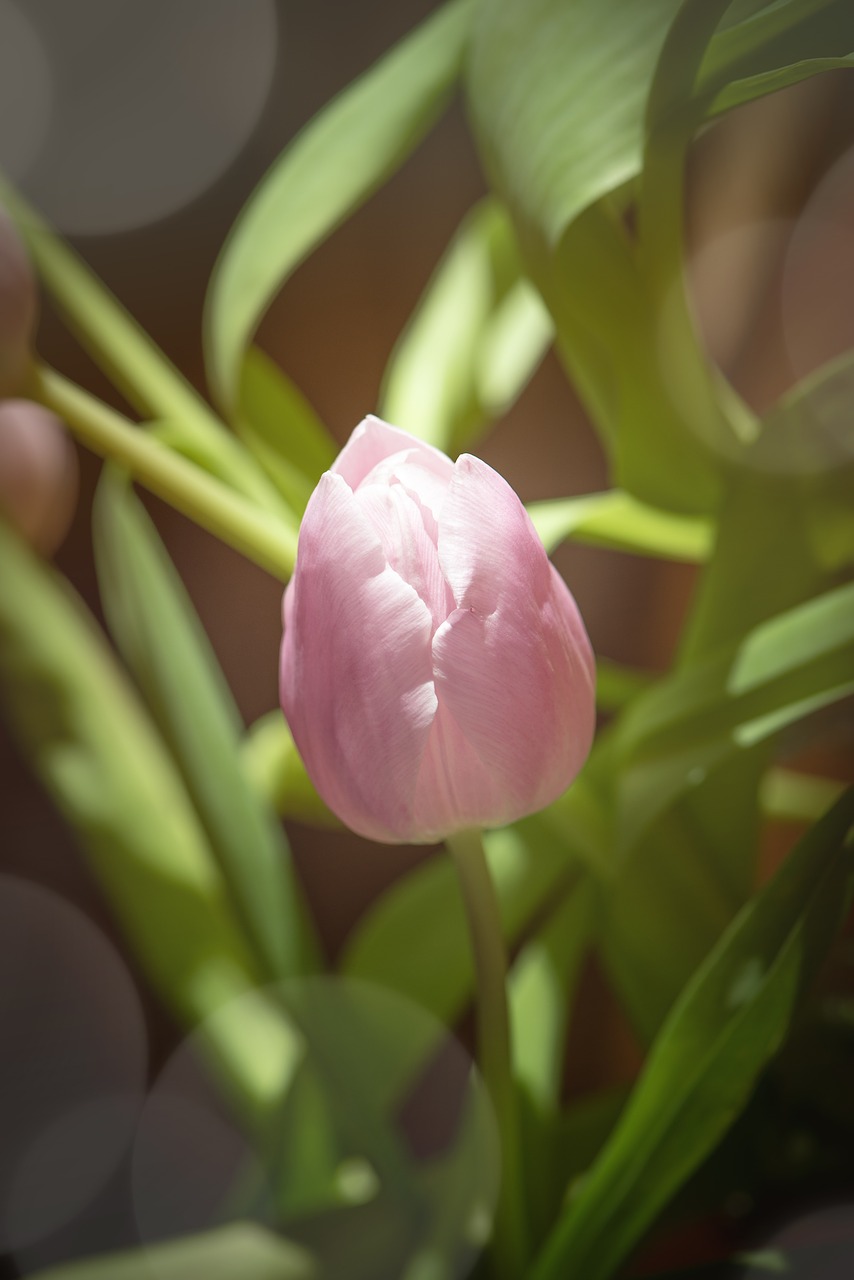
398, 945
541, 988
615, 519
160, 637
665, 910
617, 685
348, 150
672, 736
730, 1019
474, 340
759, 86
131, 359
558, 93
783, 43
276, 770
86, 736
245, 1250
790, 796
541, 994
282, 430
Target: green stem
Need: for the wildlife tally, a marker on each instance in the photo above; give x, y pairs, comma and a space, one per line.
256, 533
134, 363
493, 1038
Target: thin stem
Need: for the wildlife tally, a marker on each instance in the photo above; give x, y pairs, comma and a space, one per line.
493, 1037
131, 359
256, 533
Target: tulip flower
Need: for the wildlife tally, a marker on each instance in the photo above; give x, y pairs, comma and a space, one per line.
435, 671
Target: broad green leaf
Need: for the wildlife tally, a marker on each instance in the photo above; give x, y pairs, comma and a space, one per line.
558, 96
558, 93
348, 150
282, 430
790, 796
474, 340
276, 770
615, 519
245, 1250
784, 669
130, 358
89, 740
668, 905
160, 637
729, 1021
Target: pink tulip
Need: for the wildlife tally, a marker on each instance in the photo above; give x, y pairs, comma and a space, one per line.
435, 671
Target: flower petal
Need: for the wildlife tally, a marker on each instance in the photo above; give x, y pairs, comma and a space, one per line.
399, 521
374, 441
487, 543
356, 676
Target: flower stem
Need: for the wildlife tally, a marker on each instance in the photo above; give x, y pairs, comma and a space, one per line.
256, 533
493, 1040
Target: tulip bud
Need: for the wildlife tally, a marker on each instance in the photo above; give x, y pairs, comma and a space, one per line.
435, 671
38, 473
18, 305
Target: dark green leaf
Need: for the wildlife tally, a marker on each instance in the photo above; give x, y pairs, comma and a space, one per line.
730, 1019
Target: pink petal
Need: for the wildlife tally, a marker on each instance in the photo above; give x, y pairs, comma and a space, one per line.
375, 441
356, 677
512, 665
399, 521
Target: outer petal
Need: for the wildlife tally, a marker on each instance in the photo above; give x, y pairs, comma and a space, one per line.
356, 677
373, 441
512, 665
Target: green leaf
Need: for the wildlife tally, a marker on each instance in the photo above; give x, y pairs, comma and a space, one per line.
730, 1019
282, 430
691, 722
327, 172
474, 340
615, 519
87, 737
558, 93
160, 637
541, 994
784, 43
245, 1250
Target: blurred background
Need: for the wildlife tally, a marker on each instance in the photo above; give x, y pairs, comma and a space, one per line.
139, 130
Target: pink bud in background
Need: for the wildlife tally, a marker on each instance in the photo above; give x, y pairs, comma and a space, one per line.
18, 307
435, 671
38, 473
